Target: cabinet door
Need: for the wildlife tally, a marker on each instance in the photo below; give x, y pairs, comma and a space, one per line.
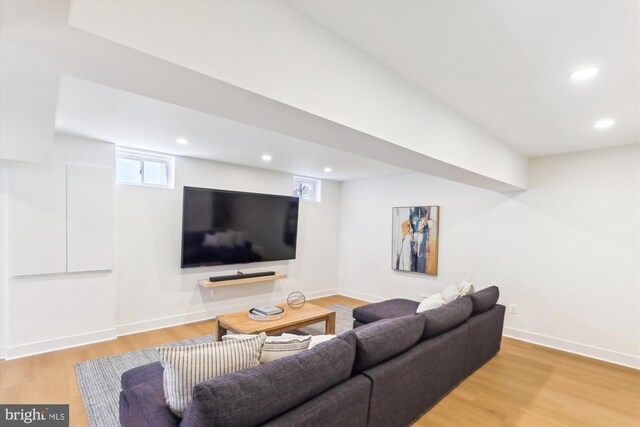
37, 216
89, 218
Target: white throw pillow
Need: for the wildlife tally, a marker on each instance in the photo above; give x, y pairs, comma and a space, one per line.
450, 293
466, 287
319, 339
434, 301
186, 366
315, 339
275, 348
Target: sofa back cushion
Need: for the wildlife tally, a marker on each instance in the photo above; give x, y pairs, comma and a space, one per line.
485, 299
447, 317
386, 338
256, 395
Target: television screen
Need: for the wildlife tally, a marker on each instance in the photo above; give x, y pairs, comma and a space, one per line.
227, 227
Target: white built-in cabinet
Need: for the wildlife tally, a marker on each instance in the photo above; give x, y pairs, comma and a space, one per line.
37, 219
60, 219
89, 218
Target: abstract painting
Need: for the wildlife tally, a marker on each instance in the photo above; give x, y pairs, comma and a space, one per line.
415, 239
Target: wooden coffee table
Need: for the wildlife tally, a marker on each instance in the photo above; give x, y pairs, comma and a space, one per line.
308, 314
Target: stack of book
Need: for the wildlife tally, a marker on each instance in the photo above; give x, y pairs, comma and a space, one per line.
266, 313
268, 310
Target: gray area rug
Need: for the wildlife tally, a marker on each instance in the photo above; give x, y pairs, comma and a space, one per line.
99, 379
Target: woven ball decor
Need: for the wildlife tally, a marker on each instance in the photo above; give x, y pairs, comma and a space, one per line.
296, 300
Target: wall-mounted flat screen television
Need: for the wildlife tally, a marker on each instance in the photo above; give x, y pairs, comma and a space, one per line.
229, 227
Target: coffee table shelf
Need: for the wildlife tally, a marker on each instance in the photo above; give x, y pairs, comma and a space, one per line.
208, 284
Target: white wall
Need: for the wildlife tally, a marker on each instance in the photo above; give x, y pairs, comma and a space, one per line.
55, 311
153, 290
4, 256
147, 288
566, 251
28, 95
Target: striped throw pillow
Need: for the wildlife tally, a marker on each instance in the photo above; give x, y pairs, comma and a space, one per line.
450, 293
466, 287
275, 348
186, 366
434, 301
315, 339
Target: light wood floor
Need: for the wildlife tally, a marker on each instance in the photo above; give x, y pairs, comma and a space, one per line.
524, 385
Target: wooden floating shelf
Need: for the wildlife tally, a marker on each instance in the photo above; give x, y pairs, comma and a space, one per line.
208, 284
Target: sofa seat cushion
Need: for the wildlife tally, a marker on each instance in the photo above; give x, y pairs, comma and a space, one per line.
386, 338
389, 309
485, 299
254, 396
447, 317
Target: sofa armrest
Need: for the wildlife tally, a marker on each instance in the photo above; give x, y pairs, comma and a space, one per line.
144, 405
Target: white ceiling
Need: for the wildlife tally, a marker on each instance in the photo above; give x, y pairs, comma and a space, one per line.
502, 64
100, 112
505, 64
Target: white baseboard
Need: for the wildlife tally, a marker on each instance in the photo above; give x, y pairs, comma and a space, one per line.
198, 316
13, 352
598, 353
163, 322
359, 295
592, 352
45, 346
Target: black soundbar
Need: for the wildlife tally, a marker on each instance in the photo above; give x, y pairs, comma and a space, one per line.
241, 276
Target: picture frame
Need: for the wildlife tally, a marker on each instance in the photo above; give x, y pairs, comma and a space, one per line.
414, 239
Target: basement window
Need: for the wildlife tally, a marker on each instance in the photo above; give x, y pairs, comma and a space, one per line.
136, 167
307, 188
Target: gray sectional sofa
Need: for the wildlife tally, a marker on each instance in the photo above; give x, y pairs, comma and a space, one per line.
387, 372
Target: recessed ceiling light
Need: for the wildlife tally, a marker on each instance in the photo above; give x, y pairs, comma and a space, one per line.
328, 169
266, 157
182, 141
603, 124
583, 74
